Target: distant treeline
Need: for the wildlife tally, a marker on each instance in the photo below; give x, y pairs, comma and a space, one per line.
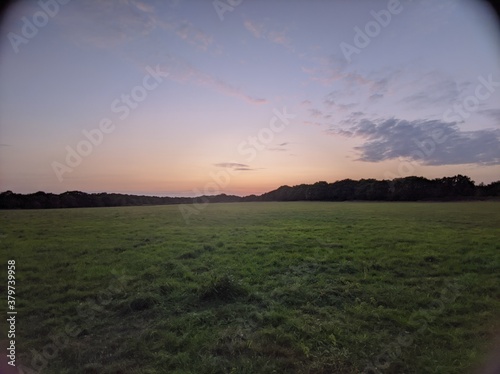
458, 187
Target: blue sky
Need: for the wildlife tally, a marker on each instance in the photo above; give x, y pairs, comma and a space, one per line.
421, 98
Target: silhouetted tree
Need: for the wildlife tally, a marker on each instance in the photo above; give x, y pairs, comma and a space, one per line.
399, 189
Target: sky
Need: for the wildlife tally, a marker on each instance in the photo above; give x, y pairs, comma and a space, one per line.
185, 97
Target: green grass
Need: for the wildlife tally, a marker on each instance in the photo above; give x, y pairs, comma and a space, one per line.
255, 287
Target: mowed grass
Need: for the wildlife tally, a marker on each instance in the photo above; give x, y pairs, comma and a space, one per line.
306, 287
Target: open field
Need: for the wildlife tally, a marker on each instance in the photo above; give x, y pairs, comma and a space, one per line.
255, 287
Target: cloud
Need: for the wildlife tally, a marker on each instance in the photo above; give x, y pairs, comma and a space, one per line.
332, 101
147, 8
186, 31
352, 118
259, 30
228, 89
311, 123
316, 113
234, 166
376, 97
280, 148
430, 142
182, 71
109, 24
119, 22
491, 113
279, 38
348, 89
346, 83
351, 90
332, 69
334, 105
230, 165
435, 90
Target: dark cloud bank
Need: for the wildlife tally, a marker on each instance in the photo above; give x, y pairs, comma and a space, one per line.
430, 142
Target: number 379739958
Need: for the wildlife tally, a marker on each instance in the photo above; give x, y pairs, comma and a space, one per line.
11, 284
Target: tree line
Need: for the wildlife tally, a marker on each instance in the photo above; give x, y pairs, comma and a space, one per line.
412, 188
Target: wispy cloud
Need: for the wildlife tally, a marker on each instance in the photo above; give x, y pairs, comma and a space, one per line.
243, 169
235, 166
428, 94
186, 31
328, 70
259, 30
348, 90
316, 113
312, 123
281, 147
147, 8
434, 89
230, 165
109, 24
182, 71
279, 38
334, 104
431, 142
123, 21
491, 113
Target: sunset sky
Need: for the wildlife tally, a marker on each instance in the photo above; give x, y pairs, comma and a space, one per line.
175, 97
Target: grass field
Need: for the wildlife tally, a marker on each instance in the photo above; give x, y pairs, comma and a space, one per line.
255, 288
